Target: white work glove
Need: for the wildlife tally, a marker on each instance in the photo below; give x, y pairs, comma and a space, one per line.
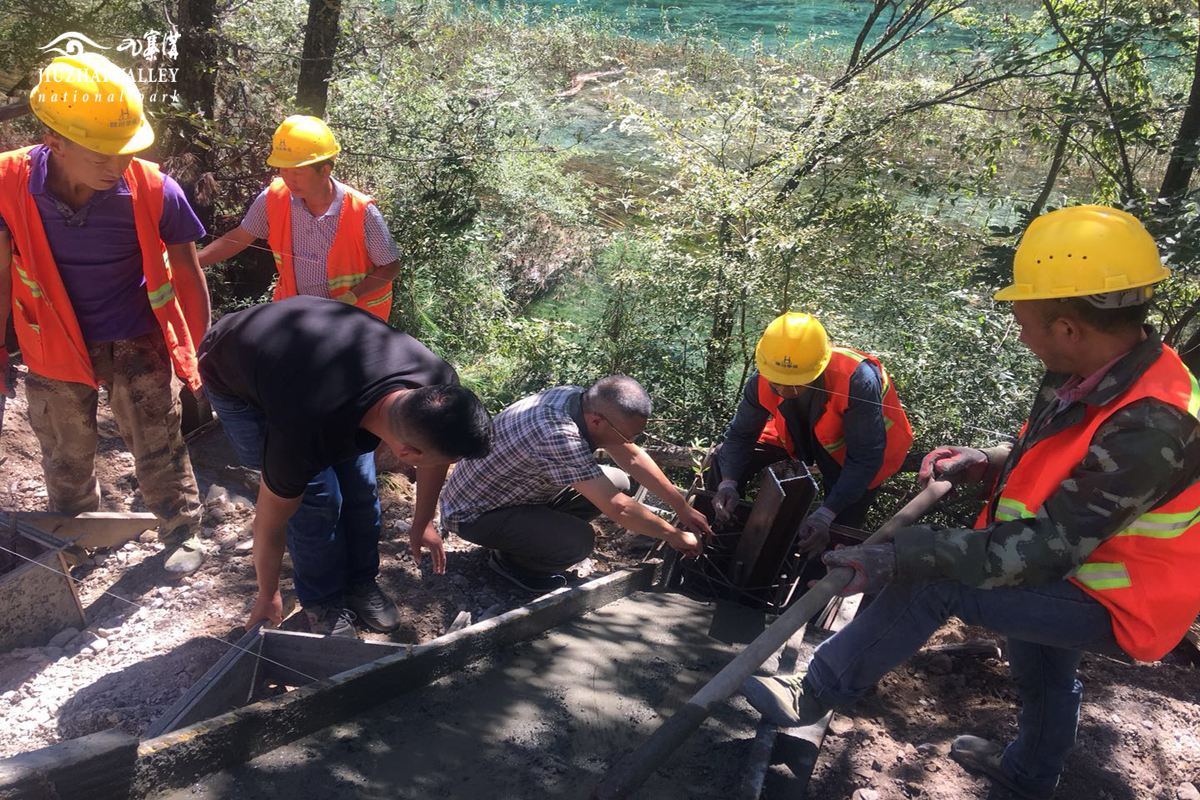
813, 536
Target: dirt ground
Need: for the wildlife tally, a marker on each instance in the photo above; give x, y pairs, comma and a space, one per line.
139, 654
1139, 731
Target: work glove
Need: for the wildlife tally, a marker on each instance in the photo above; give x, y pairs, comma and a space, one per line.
874, 566
813, 536
725, 501
954, 464
8, 383
349, 298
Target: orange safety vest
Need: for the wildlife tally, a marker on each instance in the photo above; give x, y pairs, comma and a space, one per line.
51, 342
348, 261
1145, 574
828, 428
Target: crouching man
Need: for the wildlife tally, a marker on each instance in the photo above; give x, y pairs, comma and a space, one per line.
532, 499
307, 388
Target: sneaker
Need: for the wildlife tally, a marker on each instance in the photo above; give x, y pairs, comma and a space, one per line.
186, 558
783, 700
331, 620
982, 755
540, 582
374, 608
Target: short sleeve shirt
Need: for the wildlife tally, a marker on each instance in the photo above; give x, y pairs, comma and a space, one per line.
313, 367
312, 237
97, 252
539, 446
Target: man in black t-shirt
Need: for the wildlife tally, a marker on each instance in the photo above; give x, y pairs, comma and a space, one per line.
306, 389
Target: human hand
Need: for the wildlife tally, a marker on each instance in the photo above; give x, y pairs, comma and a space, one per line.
874, 566
725, 500
954, 464
427, 538
686, 543
813, 536
268, 607
692, 520
349, 298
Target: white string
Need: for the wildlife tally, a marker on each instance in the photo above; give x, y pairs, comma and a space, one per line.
231, 645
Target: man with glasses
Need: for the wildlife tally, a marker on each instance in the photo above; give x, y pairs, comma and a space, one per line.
532, 498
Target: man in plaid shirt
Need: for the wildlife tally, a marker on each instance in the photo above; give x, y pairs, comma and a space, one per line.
531, 500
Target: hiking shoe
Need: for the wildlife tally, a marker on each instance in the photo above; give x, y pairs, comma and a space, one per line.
540, 582
374, 608
783, 700
185, 558
331, 620
982, 755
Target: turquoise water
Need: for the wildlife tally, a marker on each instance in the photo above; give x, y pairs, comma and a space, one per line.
829, 22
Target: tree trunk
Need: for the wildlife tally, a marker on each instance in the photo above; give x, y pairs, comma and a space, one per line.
1183, 152
316, 62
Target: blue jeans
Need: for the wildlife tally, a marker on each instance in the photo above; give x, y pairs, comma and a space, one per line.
1048, 628
333, 537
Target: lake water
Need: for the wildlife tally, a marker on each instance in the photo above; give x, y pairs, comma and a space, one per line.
828, 22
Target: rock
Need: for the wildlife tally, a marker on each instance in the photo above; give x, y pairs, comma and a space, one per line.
940, 664
219, 513
216, 495
99, 559
494, 610
202, 585
63, 637
400, 527
865, 794
7, 697
1187, 791
928, 750
461, 621
243, 547
148, 537
99, 645
840, 725
108, 633
52, 653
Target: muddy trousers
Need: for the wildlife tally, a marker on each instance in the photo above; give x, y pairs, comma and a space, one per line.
333, 538
543, 538
143, 393
1048, 628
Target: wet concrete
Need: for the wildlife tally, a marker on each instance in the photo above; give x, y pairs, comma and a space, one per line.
544, 721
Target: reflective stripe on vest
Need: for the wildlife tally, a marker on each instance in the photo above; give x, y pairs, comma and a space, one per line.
51, 342
828, 429
348, 261
1143, 575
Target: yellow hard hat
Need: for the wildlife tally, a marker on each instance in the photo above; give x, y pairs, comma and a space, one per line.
91, 101
301, 140
1082, 251
793, 350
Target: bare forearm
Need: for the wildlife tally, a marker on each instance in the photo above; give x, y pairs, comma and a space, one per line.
228, 246
429, 487
378, 280
193, 288
634, 516
269, 541
642, 468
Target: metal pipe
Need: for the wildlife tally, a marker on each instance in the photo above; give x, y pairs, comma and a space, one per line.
632, 770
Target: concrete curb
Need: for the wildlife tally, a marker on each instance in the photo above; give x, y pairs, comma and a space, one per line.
176, 759
96, 767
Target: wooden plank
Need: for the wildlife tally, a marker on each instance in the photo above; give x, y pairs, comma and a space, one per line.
92, 529
313, 656
226, 685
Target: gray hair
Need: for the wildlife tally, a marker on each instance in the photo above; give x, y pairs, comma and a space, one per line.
619, 395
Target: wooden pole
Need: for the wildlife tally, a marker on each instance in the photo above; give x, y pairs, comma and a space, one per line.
631, 771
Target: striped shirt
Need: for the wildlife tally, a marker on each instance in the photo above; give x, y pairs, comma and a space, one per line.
540, 445
313, 236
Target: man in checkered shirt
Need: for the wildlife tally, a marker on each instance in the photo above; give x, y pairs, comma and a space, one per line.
328, 239
532, 498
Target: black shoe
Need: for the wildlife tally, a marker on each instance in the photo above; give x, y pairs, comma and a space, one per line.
540, 582
982, 755
330, 620
374, 608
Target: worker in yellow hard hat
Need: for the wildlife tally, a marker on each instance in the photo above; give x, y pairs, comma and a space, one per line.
328, 239
1091, 537
84, 226
832, 407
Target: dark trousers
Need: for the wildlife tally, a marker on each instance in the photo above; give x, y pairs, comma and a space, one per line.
333, 538
763, 456
543, 538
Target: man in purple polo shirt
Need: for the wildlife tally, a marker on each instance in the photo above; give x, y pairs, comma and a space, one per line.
77, 180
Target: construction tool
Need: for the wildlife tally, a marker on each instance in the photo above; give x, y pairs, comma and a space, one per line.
629, 773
